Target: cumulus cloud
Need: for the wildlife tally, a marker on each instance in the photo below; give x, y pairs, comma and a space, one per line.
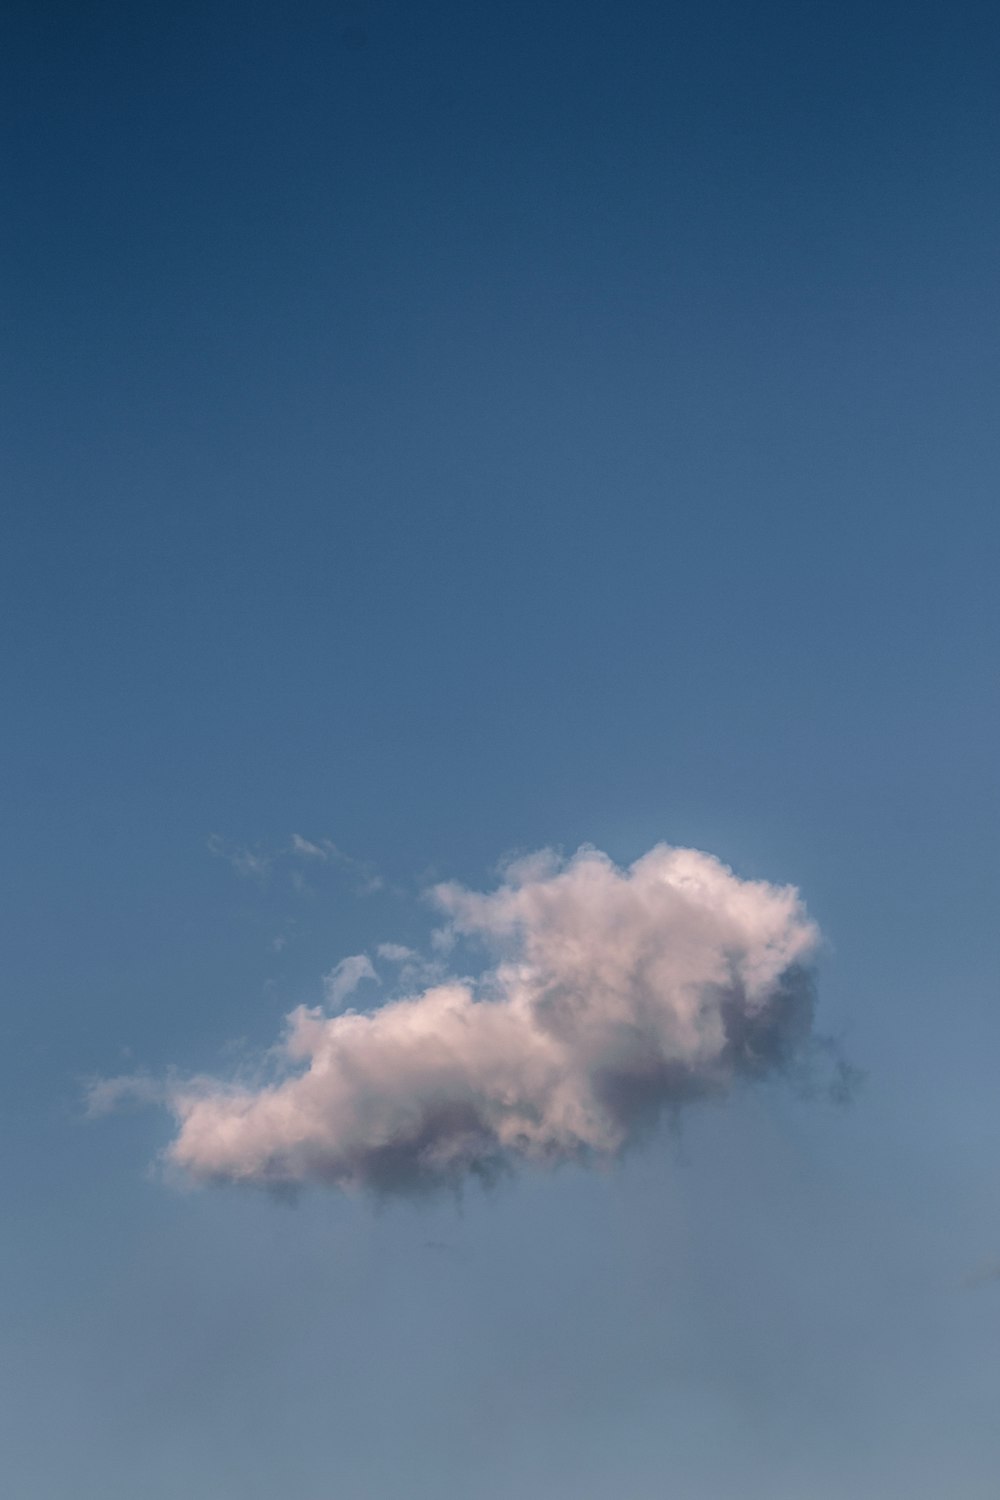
610, 996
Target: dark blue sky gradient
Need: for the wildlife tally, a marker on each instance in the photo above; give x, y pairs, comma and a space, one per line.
456, 428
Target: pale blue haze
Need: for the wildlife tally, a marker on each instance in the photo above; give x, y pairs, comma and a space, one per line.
449, 429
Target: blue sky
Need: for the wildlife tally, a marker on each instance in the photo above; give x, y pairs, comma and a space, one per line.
448, 431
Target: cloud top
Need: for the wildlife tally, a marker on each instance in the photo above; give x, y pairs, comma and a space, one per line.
611, 995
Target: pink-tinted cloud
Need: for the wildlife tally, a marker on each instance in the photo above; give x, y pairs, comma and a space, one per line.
611, 994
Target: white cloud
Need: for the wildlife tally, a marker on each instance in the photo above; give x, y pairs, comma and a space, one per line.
325, 851
259, 863
345, 977
413, 971
305, 847
246, 862
613, 995
102, 1095
395, 953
